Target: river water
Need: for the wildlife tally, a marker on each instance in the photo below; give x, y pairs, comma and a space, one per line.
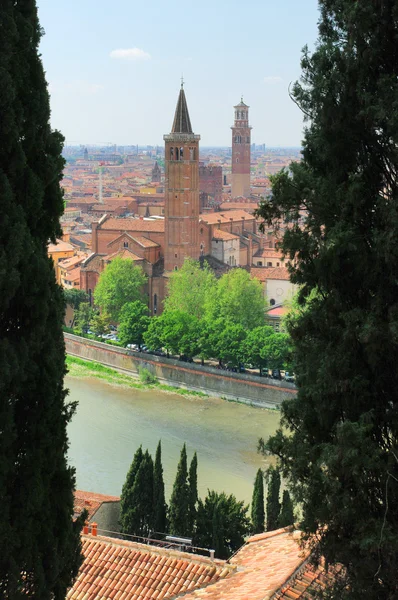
111, 422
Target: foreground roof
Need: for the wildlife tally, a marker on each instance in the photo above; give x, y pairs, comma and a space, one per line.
125, 570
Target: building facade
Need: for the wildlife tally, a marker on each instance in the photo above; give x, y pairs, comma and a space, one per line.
241, 134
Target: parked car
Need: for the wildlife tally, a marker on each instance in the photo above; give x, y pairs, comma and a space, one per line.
133, 347
276, 374
289, 377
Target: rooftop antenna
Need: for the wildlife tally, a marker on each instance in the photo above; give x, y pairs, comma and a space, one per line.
182, 81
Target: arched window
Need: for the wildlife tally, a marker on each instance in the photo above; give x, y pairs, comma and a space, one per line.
181, 153
171, 153
177, 155
155, 303
272, 302
125, 244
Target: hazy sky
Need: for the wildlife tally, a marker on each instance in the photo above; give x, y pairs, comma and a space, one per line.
114, 67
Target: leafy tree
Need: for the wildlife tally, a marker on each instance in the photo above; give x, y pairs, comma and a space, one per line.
179, 501
193, 493
237, 298
273, 503
174, 330
83, 317
99, 323
119, 283
134, 321
286, 516
188, 288
252, 348
339, 448
258, 512
276, 350
159, 503
126, 498
75, 297
40, 544
222, 524
226, 339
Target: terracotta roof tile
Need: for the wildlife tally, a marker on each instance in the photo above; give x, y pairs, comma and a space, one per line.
91, 502
264, 273
219, 234
155, 225
235, 215
116, 569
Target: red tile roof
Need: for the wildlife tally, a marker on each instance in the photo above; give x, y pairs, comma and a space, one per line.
143, 241
264, 273
264, 564
157, 225
235, 215
122, 570
91, 502
219, 234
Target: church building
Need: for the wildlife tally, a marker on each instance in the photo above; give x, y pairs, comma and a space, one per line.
160, 244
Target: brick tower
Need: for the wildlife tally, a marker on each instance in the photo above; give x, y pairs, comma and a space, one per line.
241, 152
181, 189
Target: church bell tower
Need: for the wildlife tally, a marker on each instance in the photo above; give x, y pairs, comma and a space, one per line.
181, 189
241, 152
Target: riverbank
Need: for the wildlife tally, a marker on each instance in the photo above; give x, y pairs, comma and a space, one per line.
77, 367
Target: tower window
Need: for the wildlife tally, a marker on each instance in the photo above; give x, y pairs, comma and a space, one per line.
192, 154
155, 303
237, 160
176, 268
177, 154
247, 140
181, 153
171, 153
175, 255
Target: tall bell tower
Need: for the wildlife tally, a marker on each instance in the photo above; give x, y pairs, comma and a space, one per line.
181, 189
241, 152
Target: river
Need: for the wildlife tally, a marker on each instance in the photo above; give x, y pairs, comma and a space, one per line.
111, 422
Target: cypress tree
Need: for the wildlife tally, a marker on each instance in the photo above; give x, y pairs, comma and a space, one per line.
286, 516
179, 501
126, 498
339, 443
193, 493
159, 503
40, 545
138, 520
273, 504
258, 512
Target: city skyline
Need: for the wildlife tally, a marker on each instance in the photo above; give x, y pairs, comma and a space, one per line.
114, 74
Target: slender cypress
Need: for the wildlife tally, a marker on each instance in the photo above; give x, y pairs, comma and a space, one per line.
193, 493
159, 503
126, 498
273, 503
258, 512
138, 519
179, 501
286, 516
40, 547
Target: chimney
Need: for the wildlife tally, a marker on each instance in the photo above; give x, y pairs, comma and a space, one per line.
231, 219
94, 528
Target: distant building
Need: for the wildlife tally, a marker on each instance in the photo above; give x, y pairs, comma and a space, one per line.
241, 132
156, 173
210, 183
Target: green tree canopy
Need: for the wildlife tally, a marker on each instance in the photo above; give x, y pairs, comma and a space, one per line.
99, 323
237, 298
83, 316
188, 288
159, 503
126, 498
273, 502
226, 339
222, 524
176, 331
179, 501
339, 447
252, 348
258, 511
40, 546
134, 321
121, 282
277, 350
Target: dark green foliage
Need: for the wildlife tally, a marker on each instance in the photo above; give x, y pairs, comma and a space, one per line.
222, 524
179, 501
193, 493
126, 498
138, 519
75, 297
273, 503
83, 317
39, 544
339, 447
134, 322
286, 516
159, 503
258, 512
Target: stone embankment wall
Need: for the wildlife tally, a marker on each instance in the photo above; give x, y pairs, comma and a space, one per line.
234, 386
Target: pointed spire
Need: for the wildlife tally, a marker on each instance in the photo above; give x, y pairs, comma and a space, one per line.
182, 122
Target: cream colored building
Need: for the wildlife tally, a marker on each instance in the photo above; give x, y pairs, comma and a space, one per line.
225, 247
